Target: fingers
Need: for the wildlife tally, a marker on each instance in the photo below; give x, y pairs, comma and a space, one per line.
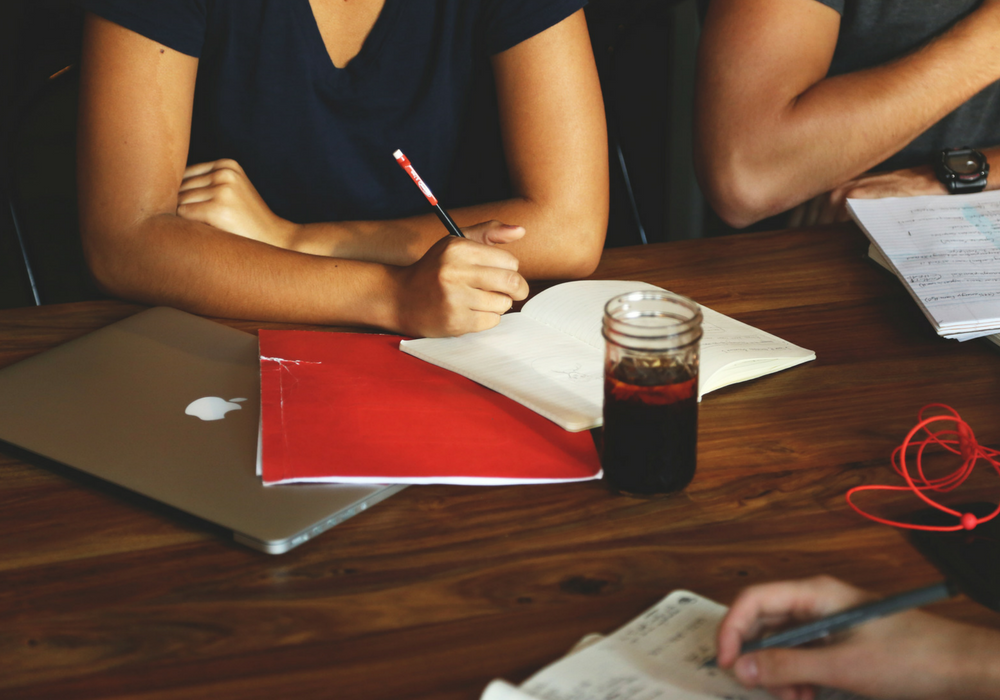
198, 194
789, 674
203, 168
500, 280
205, 211
206, 204
774, 604
478, 267
459, 251
792, 673
215, 176
203, 183
489, 302
459, 286
196, 182
493, 233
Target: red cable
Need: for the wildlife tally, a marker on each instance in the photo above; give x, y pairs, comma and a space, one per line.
959, 441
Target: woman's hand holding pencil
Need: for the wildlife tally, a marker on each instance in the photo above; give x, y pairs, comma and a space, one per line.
461, 286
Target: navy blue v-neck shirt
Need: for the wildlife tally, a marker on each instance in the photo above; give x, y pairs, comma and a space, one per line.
316, 140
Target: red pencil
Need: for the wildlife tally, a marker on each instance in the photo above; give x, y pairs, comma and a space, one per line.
449, 224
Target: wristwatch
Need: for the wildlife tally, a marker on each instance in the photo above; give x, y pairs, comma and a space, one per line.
962, 170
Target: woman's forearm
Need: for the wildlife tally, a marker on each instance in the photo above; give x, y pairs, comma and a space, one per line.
559, 243
166, 259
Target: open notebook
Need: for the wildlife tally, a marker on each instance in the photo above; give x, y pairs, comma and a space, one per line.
658, 655
550, 356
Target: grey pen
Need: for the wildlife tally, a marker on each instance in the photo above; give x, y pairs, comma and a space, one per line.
824, 627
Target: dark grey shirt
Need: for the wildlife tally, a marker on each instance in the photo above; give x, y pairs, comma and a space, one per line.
873, 32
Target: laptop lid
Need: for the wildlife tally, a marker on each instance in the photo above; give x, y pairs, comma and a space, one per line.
167, 404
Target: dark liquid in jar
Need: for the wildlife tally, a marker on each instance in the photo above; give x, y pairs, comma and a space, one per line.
650, 435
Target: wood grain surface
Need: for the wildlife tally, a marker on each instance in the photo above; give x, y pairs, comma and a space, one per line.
440, 589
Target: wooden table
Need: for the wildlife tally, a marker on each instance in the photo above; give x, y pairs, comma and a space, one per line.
438, 590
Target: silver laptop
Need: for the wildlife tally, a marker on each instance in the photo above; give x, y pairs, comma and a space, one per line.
127, 404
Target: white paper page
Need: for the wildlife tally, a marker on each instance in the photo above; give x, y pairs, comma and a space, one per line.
545, 357
946, 249
550, 372
732, 351
879, 259
577, 308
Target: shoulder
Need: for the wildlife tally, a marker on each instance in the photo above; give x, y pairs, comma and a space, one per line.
177, 24
506, 23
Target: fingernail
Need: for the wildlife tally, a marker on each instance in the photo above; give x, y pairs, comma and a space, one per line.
746, 670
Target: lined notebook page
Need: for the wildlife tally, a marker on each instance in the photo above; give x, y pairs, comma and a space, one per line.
550, 356
732, 351
946, 249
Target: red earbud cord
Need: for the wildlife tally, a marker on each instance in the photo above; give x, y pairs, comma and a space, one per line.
959, 441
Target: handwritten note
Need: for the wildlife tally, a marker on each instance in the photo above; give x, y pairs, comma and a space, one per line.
657, 656
947, 251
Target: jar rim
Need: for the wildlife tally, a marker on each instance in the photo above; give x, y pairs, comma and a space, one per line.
620, 320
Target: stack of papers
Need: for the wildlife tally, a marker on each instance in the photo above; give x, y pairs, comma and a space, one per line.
946, 249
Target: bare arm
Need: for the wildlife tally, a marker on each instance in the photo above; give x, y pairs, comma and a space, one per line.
772, 131
135, 120
552, 121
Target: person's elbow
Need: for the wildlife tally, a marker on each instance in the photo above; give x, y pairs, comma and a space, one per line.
740, 192
109, 249
102, 252
582, 260
579, 252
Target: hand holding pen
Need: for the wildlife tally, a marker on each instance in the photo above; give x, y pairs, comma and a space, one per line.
911, 654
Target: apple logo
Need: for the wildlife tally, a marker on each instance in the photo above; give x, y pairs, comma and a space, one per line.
212, 407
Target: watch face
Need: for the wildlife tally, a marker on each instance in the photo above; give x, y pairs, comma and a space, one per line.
963, 163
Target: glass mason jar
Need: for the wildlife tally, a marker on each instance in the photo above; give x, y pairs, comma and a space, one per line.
650, 392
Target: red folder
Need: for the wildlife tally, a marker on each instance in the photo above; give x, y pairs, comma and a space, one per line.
351, 407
